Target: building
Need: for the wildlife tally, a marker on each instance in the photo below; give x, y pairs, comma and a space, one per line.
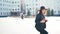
8, 6
32, 6
23, 7
14, 7
52, 4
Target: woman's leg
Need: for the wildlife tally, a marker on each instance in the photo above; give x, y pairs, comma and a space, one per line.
43, 31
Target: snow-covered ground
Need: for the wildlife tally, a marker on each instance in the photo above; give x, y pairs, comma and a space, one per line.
15, 25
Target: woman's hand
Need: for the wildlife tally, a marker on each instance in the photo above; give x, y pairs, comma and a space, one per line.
43, 21
46, 20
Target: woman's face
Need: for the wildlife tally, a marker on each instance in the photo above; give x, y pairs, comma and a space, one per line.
44, 11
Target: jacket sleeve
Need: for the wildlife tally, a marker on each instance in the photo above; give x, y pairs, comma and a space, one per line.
38, 19
38, 23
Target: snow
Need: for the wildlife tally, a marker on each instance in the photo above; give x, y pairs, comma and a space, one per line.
15, 25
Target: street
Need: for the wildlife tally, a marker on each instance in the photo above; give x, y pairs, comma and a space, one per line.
15, 25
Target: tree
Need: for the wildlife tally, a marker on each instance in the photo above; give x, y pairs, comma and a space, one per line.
36, 11
52, 12
28, 13
59, 12
48, 12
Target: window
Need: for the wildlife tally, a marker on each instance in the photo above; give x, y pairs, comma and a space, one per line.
18, 1
7, 13
36, 0
27, 5
12, 2
0, 4
9, 9
30, 8
15, 2
18, 8
18, 5
36, 4
59, 12
3, 4
4, 0
1, 13
0, 0
1, 8
4, 9
9, 1
9, 5
15, 9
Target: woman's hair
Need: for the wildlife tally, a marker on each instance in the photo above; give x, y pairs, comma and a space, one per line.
40, 11
41, 8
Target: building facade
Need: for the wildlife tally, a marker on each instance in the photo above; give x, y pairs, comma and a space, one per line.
32, 6
8, 6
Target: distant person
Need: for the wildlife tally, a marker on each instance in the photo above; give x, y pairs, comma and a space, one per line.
41, 21
22, 16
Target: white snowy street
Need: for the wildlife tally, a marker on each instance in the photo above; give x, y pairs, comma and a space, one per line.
15, 25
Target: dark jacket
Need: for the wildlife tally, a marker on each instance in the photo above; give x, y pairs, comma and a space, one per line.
40, 25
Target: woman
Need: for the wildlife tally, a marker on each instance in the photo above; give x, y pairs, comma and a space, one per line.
41, 21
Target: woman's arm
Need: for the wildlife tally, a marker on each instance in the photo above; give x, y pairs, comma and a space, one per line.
38, 18
43, 21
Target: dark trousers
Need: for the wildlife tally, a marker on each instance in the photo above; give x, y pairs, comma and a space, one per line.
42, 31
